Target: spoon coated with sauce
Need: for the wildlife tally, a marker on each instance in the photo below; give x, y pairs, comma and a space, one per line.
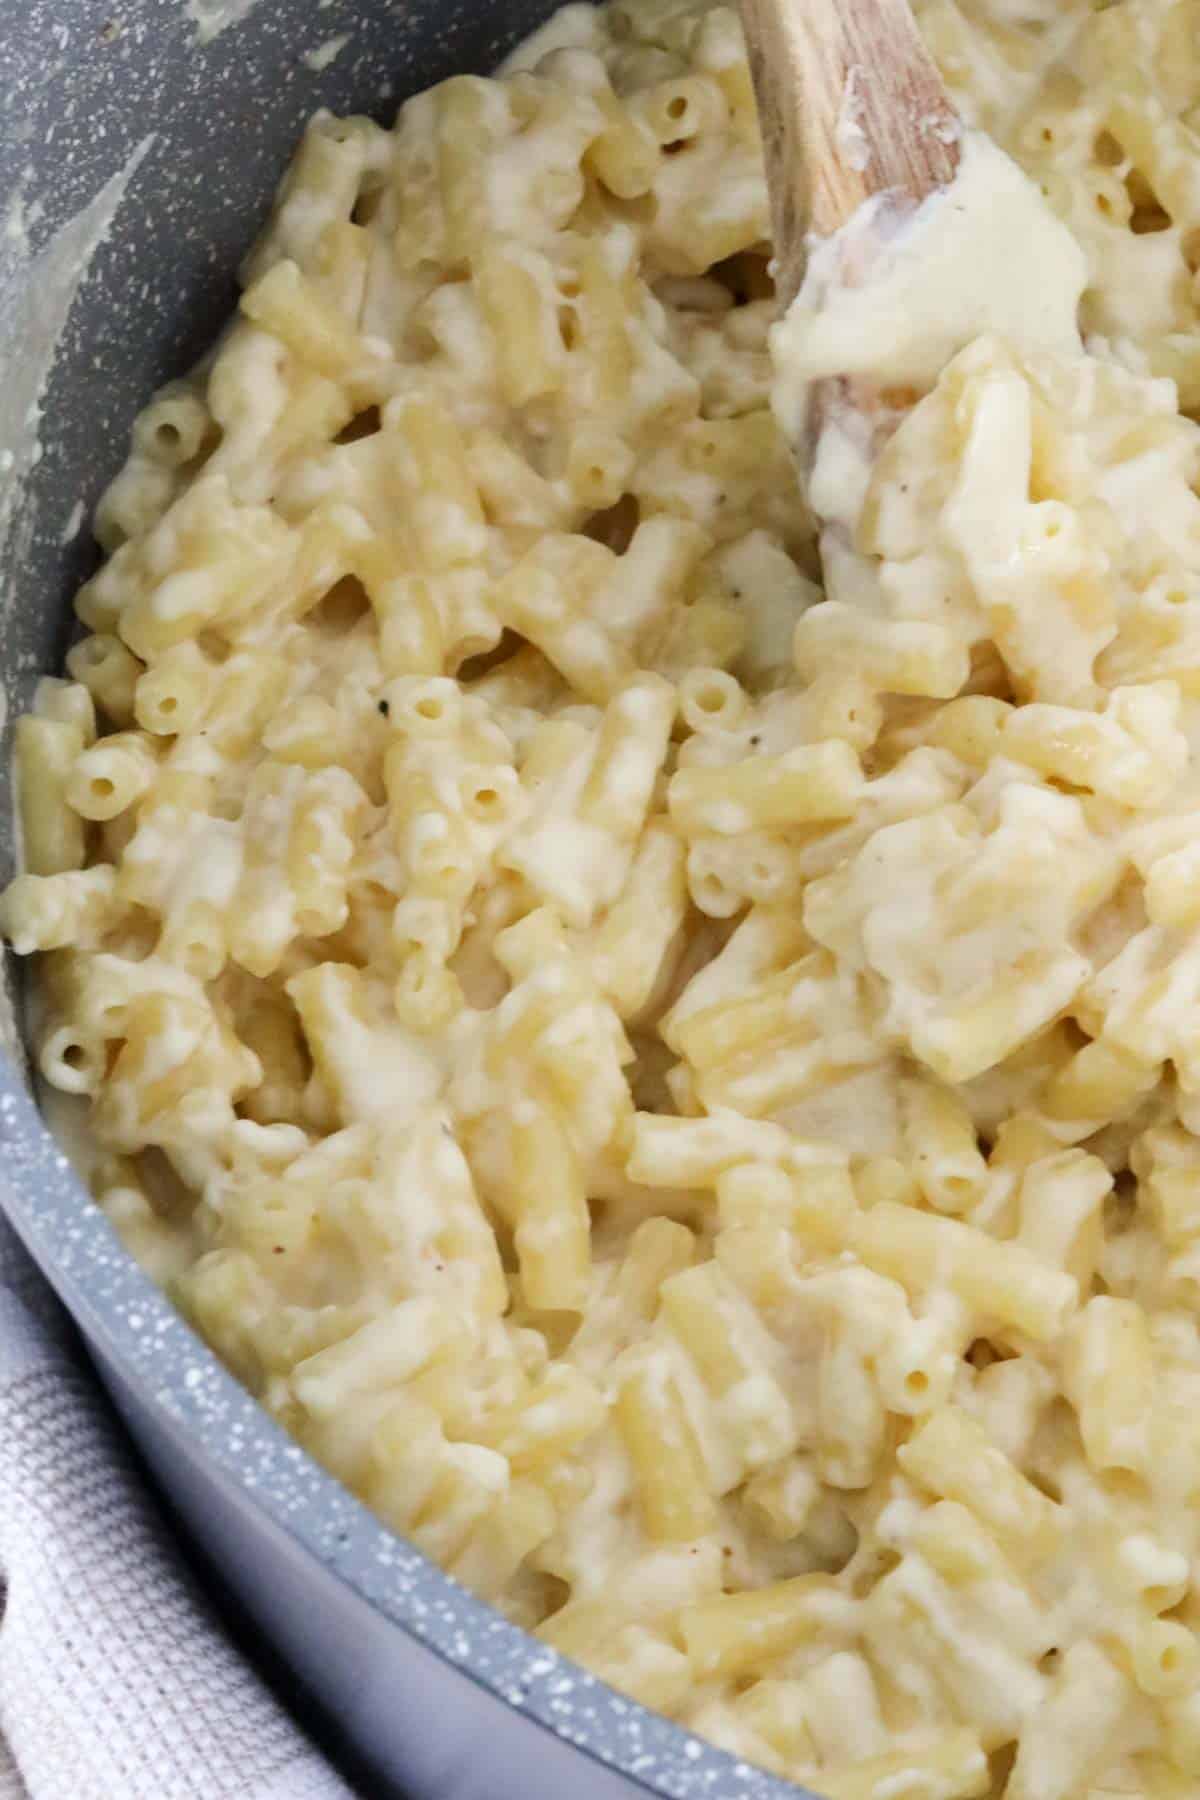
900, 234
851, 105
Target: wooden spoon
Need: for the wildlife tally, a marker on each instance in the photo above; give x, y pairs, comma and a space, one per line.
851, 105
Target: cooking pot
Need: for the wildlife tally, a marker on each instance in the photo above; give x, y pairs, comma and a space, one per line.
140, 144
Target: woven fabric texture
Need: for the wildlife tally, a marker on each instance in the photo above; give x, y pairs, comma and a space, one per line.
117, 1679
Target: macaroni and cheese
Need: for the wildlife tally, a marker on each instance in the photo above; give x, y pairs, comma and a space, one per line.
669, 1062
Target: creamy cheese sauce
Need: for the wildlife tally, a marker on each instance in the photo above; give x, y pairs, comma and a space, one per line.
666, 1059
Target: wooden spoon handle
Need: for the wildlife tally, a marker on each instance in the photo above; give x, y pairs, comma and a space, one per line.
851, 104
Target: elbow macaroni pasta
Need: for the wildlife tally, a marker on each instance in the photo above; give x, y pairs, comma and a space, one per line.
674, 1080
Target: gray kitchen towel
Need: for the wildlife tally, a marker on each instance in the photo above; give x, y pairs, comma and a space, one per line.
117, 1681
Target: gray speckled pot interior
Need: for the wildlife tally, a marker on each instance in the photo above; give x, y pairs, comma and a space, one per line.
92, 90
